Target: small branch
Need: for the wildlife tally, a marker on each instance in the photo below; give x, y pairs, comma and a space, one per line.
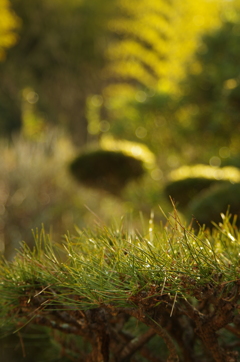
136, 344
233, 330
173, 356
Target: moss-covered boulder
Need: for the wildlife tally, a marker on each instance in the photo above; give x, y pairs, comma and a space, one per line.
106, 170
208, 205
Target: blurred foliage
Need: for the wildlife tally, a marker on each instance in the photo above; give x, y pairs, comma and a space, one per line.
36, 188
71, 57
203, 105
70, 53
208, 206
9, 23
149, 118
211, 92
146, 52
60, 53
146, 47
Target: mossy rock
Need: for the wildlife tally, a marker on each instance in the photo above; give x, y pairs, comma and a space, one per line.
106, 170
208, 205
183, 191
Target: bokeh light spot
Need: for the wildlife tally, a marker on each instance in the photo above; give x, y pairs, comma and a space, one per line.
215, 161
140, 96
32, 97
156, 174
230, 84
97, 100
141, 132
104, 126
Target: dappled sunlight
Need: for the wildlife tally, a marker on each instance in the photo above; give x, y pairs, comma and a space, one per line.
224, 173
159, 37
9, 24
135, 149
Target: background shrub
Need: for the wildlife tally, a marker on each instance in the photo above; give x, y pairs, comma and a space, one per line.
106, 170
182, 191
188, 181
209, 204
36, 188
